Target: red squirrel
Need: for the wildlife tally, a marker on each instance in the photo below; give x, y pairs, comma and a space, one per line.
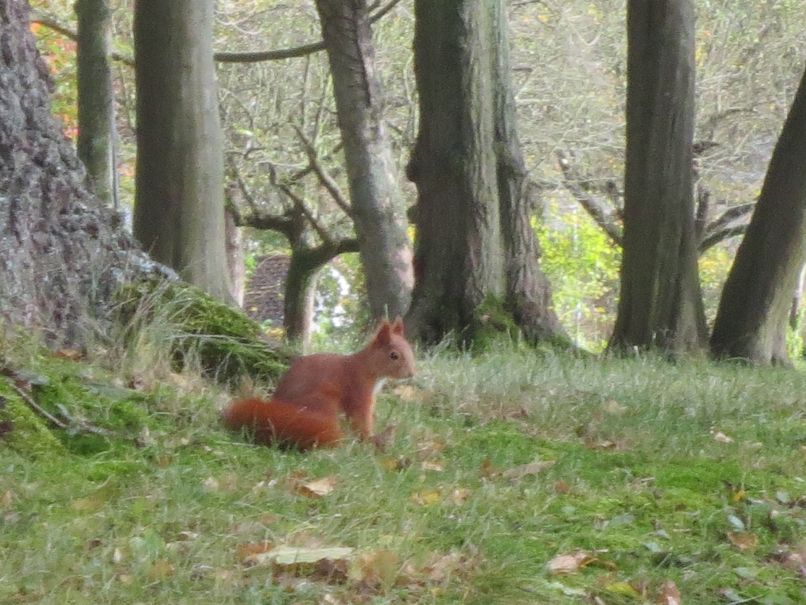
304, 410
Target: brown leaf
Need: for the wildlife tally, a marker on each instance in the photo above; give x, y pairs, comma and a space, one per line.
561, 487
460, 495
743, 540
317, 488
487, 470
7, 499
570, 562
395, 464
245, 552
669, 594
161, 569
69, 354
379, 568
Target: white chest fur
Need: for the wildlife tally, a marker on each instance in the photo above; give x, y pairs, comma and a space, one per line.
378, 386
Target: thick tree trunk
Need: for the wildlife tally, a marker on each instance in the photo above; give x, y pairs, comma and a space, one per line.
179, 206
96, 111
62, 254
751, 321
459, 258
528, 293
375, 197
475, 249
660, 303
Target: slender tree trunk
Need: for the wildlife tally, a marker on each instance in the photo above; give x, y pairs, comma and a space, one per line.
528, 293
62, 253
475, 250
752, 318
375, 197
179, 206
235, 263
660, 304
96, 110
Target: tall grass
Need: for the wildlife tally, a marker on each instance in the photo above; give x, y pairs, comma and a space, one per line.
690, 473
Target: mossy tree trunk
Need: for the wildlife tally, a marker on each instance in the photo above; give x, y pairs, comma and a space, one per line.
62, 253
752, 319
179, 205
660, 304
474, 244
96, 110
376, 201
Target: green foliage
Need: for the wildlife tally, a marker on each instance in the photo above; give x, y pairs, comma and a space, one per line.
582, 265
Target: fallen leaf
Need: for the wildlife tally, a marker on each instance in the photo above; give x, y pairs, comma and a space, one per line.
623, 589
378, 568
442, 567
460, 495
721, 437
486, 469
525, 470
244, 552
427, 497
561, 487
161, 569
614, 408
570, 562
211, 484
317, 488
285, 556
69, 354
430, 465
7, 499
669, 594
395, 464
743, 540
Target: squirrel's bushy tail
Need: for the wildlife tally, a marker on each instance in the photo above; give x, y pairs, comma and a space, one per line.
277, 422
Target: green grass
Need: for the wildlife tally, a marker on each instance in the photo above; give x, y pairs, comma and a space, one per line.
643, 480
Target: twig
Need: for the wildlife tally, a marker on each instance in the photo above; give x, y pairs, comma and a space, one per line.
324, 178
38, 409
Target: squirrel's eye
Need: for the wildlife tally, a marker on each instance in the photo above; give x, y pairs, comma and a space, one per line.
394, 355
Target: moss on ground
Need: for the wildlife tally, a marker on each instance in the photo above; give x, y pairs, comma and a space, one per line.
226, 343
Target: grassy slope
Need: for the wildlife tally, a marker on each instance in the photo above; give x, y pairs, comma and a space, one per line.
643, 481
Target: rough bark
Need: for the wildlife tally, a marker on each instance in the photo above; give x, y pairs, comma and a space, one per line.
752, 318
96, 117
376, 201
660, 304
528, 293
62, 254
474, 249
179, 205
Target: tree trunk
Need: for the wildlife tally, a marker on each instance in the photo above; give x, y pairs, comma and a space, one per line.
62, 254
475, 250
96, 110
660, 304
375, 198
235, 263
179, 205
528, 294
752, 318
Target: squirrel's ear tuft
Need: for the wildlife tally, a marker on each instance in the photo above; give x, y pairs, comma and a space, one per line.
398, 327
384, 333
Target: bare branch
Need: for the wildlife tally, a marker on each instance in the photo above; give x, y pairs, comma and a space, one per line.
289, 53
54, 25
300, 204
325, 179
595, 208
729, 216
720, 236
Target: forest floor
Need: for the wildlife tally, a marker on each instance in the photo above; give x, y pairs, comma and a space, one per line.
512, 478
